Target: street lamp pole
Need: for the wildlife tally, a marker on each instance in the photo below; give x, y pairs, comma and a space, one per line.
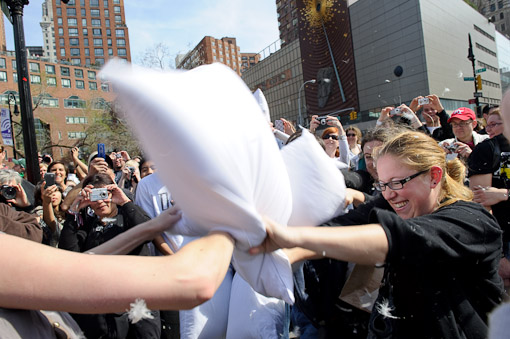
299, 99
16, 112
25, 98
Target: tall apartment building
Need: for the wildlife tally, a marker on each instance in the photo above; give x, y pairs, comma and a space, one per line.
288, 16
224, 50
85, 32
497, 12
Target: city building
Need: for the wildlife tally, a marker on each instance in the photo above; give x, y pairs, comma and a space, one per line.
224, 50
497, 12
85, 32
66, 100
400, 49
35, 51
314, 71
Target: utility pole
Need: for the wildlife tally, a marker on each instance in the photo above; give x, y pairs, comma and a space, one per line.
471, 57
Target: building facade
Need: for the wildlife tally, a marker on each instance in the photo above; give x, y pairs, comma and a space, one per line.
288, 19
85, 32
224, 50
497, 12
66, 100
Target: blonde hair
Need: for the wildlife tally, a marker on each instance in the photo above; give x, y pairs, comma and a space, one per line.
420, 152
356, 131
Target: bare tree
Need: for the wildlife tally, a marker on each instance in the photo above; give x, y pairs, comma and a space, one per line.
157, 56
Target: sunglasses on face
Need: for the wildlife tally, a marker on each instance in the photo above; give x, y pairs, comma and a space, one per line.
332, 136
351, 135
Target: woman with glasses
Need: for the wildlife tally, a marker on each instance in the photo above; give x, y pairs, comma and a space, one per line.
333, 137
439, 250
489, 178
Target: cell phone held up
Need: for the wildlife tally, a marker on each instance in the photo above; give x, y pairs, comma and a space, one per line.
49, 178
101, 153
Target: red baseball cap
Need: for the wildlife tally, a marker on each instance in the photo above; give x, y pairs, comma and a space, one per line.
463, 113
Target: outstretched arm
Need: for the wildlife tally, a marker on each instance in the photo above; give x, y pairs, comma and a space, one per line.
366, 244
83, 283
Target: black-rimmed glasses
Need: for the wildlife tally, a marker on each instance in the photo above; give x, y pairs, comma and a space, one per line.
396, 184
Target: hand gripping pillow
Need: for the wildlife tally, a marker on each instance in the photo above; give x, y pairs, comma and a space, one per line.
216, 154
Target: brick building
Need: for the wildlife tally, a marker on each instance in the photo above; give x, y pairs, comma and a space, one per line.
224, 50
288, 16
85, 32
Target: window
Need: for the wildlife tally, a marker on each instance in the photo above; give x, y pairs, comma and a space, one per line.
80, 84
59, 11
76, 120
108, 32
60, 31
73, 31
121, 42
45, 100
71, 3
76, 135
51, 82
71, 11
87, 61
66, 83
503, 27
100, 61
94, 3
87, 51
83, 12
35, 79
50, 69
75, 52
74, 42
99, 103
106, 13
85, 32
118, 18
105, 87
500, 4
98, 51
78, 73
98, 42
61, 41
116, 9
93, 86
76, 62
13, 64
109, 42
110, 51
85, 42
72, 22
64, 71
116, 2
95, 12
84, 22
34, 67
96, 31
107, 22
3, 76
15, 77
119, 32
122, 52
59, 21
63, 52
96, 22
2, 63
74, 102
91, 75
105, 3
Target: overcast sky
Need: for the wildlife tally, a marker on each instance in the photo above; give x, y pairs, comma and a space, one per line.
179, 24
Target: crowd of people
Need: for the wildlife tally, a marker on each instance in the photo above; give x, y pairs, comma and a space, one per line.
427, 193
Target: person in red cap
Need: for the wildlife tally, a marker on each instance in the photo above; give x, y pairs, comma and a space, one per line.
463, 123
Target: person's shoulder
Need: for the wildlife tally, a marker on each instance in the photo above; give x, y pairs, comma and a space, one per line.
478, 138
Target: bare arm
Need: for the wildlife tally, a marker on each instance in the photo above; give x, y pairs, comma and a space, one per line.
478, 181
83, 283
365, 244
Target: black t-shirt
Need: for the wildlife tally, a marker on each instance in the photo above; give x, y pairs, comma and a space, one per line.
441, 278
485, 159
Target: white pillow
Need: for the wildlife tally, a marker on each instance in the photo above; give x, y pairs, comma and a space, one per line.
318, 187
216, 154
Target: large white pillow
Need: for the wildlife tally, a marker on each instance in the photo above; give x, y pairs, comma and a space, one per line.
216, 154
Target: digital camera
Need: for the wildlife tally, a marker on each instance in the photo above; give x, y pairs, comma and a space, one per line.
452, 148
323, 119
131, 169
8, 192
395, 111
423, 101
98, 194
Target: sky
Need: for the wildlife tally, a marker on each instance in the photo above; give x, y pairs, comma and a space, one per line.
179, 24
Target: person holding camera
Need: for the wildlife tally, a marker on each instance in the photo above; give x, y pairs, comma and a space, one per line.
99, 213
59, 169
333, 136
15, 191
48, 201
463, 123
130, 176
435, 116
